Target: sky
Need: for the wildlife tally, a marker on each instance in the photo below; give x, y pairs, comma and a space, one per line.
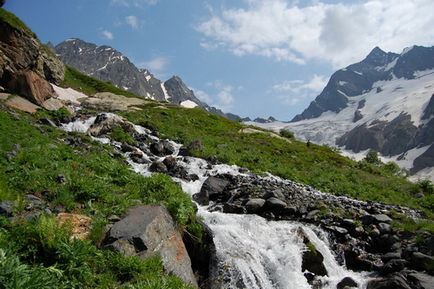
255, 58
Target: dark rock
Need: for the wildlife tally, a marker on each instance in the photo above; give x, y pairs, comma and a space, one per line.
233, 208
157, 148
338, 230
420, 261
170, 162
394, 265
277, 193
313, 261
33, 202
254, 205
138, 157
61, 179
6, 209
422, 280
384, 228
147, 230
346, 282
158, 167
275, 205
127, 148
375, 219
395, 281
356, 261
390, 256
211, 188
46, 121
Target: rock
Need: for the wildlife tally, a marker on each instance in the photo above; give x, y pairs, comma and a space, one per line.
384, 228
233, 208
394, 265
52, 104
346, 282
122, 246
80, 225
19, 103
423, 280
254, 205
395, 281
128, 148
46, 121
211, 188
277, 193
32, 86
157, 148
150, 230
113, 218
313, 261
6, 209
420, 261
105, 122
275, 205
170, 162
375, 219
138, 157
158, 167
390, 256
338, 230
107, 101
33, 202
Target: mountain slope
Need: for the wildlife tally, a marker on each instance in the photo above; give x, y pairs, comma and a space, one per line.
385, 103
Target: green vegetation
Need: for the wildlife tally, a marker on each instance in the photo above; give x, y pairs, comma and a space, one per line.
318, 166
90, 85
14, 21
372, 157
41, 254
32, 157
286, 133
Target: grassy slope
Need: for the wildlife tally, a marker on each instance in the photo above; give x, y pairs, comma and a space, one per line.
319, 166
97, 184
14, 21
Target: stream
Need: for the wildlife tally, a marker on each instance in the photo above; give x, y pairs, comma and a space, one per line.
251, 252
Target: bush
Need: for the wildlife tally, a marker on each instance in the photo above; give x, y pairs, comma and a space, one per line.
286, 133
372, 157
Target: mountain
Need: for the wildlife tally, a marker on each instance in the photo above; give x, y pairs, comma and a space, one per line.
107, 64
385, 103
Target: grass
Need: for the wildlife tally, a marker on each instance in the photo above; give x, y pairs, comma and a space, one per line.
319, 166
41, 254
14, 21
98, 185
89, 85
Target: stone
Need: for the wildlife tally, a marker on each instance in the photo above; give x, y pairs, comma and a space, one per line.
394, 265
211, 188
157, 148
6, 209
346, 282
105, 122
52, 104
170, 162
19, 103
107, 101
382, 218
33, 202
275, 205
138, 157
80, 225
158, 167
32, 86
313, 261
420, 261
254, 205
423, 280
151, 230
4, 96
384, 228
46, 121
390, 256
277, 193
394, 281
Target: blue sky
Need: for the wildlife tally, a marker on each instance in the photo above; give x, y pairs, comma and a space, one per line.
250, 57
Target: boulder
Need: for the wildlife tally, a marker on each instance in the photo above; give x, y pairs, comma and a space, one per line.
254, 205
52, 104
375, 219
395, 281
170, 162
149, 230
211, 188
32, 86
275, 205
420, 261
423, 280
157, 148
158, 167
346, 282
394, 265
17, 102
313, 261
105, 122
6, 209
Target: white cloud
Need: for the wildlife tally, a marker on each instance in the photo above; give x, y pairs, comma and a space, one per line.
132, 21
133, 3
292, 92
339, 33
221, 96
156, 65
107, 35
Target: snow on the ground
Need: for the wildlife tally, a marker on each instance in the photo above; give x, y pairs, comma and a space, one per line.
68, 94
188, 104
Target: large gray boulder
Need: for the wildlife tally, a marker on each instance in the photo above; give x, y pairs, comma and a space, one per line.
150, 230
211, 188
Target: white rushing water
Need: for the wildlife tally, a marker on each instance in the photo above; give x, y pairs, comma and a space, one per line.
251, 252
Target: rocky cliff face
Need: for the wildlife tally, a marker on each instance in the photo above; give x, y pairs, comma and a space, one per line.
107, 64
25, 64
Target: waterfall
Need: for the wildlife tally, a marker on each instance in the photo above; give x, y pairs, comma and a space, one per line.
251, 252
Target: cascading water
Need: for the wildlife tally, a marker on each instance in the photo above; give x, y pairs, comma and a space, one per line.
251, 252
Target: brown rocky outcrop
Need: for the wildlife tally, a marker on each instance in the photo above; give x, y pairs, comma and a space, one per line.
26, 66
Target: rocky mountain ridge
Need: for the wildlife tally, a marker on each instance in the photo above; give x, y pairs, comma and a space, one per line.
107, 64
384, 103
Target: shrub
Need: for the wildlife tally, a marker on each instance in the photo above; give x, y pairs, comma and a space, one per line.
286, 133
372, 157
